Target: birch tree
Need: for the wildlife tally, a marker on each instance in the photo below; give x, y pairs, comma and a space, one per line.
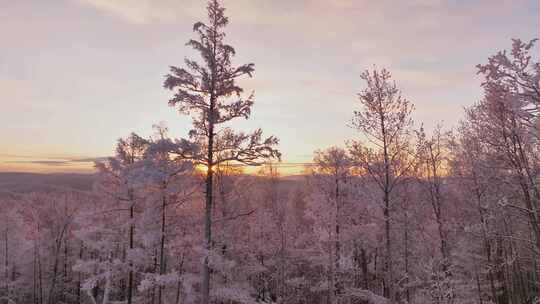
433, 158
384, 119
331, 179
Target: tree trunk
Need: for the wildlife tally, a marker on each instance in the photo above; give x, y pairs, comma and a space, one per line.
387, 266
40, 272
6, 260
131, 233
338, 244
406, 258
162, 245
208, 206
79, 276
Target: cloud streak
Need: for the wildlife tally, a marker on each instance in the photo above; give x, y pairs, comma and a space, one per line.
49, 161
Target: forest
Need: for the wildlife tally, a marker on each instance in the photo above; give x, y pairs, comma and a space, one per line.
400, 214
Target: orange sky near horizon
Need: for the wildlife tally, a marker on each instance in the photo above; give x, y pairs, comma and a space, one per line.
9, 163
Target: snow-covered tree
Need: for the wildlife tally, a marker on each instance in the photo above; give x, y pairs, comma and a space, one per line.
385, 154
209, 92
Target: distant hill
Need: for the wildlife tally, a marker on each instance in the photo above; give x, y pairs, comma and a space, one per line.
29, 182
16, 182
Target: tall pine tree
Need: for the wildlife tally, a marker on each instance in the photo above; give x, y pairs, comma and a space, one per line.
208, 92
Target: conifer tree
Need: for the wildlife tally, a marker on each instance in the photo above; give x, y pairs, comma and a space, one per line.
208, 91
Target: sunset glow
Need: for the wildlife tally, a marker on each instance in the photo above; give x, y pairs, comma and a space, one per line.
76, 75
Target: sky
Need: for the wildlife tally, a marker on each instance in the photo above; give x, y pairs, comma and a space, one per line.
76, 75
